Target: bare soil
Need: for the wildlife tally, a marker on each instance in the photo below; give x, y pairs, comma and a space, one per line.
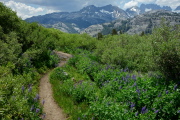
50, 107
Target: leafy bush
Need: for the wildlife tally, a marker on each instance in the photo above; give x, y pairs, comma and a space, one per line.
166, 47
59, 74
84, 91
126, 51
20, 101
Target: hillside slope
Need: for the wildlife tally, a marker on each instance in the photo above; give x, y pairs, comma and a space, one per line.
136, 25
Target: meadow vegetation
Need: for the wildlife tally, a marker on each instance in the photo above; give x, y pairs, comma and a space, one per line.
115, 77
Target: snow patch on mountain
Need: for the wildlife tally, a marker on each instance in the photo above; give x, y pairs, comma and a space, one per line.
147, 10
107, 12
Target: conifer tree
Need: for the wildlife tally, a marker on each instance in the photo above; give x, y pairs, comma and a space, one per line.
100, 36
114, 32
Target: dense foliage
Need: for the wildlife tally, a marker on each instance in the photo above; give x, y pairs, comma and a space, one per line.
112, 77
114, 93
129, 77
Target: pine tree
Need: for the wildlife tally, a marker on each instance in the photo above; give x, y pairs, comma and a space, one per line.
142, 34
114, 32
100, 36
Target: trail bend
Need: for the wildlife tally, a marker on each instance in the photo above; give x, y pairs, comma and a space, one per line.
50, 107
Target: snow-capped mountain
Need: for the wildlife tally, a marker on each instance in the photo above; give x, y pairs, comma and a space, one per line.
133, 11
135, 25
75, 22
148, 7
82, 19
177, 9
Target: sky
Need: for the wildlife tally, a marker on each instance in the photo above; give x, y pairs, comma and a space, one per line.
29, 8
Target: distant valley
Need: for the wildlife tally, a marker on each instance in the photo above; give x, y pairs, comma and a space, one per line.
92, 19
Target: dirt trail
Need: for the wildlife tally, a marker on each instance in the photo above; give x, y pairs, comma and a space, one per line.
50, 107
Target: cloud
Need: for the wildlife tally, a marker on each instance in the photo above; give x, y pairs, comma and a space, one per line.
145, 1
67, 5
24, 11
136, 3
130, 4
172, 3
28, 8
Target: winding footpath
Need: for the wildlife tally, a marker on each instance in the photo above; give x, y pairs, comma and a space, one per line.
50, 107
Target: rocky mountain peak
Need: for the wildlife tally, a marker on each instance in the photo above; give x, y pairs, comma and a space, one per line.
90, 8
177, 9
74, 22
148, 7
133, 11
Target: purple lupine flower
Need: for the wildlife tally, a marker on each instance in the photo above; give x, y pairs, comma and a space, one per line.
178, 111
22, 119
23, 89
79, 118
175, 87
37, 110
136, 114
156, 111
135, 84
134, 77
120, 87
32, 108
126, 69
144, 110
159, 95
138, 91
167, 91
128, 76
132, 105
37, 96
35, 99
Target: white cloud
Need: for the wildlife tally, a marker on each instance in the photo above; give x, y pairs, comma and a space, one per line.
130, 4
68, 5
24, 11
145, 1
28, 8
172, 3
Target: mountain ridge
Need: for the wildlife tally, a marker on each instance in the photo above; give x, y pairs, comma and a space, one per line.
76, 22
141, 23
84, 18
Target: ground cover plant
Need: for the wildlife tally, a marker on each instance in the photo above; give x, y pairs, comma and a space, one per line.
115, 93
131, 75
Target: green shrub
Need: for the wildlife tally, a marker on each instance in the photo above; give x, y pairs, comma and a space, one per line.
166, 47
84, 91
59, 74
